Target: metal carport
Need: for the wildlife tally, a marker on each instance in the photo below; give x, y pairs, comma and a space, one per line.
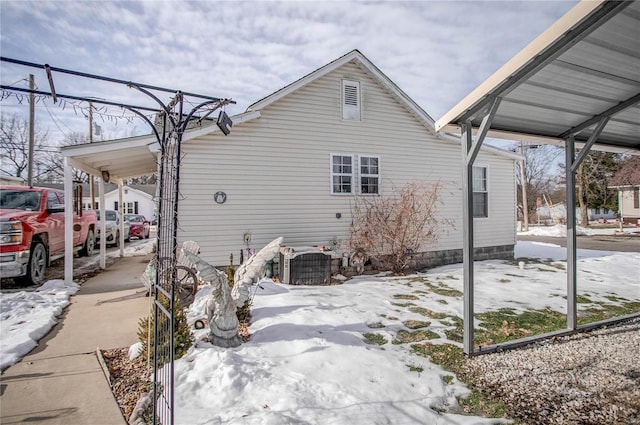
576, 85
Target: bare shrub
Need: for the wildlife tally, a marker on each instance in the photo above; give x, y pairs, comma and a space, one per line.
393, 228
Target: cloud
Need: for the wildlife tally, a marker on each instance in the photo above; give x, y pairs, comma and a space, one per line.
436, 51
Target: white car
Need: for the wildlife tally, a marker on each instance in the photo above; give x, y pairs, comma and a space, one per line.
112, 228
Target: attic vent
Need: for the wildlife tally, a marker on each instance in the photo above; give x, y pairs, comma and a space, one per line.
351, 95
350, 100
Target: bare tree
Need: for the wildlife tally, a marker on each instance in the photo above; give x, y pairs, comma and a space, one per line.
14, 147
540, 174
148, 179
56, 161
393, 228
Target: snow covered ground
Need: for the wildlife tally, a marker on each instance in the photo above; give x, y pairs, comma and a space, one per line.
308, 360
560, 230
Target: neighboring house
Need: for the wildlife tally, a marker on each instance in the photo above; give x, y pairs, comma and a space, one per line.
627, 181
295, 160
136, 199
11, 180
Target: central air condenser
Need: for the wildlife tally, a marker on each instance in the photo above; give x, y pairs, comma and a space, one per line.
305, 266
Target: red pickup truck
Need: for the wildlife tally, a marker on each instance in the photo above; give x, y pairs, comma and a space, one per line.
32, 231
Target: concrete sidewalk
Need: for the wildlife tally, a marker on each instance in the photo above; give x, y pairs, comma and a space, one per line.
61, 381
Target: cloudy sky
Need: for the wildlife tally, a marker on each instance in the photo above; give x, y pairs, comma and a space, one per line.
436, 51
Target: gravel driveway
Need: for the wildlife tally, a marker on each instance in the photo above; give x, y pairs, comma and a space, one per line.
588, 378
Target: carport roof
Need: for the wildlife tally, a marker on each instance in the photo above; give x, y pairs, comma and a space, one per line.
583, 68
124, 158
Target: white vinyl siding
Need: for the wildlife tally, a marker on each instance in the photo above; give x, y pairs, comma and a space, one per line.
351, 100
480, 192
275, 172
369, 174
342, 174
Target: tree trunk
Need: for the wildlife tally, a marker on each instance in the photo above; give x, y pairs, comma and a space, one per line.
582, 197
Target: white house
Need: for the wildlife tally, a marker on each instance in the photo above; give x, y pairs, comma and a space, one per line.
295, 160
627, 182
136, 199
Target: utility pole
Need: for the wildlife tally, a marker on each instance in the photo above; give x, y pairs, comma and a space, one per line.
523, 184
92, 194
32, 116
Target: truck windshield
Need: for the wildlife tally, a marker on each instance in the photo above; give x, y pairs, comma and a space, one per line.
25, 200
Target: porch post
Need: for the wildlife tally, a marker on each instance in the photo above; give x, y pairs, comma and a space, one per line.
68, 222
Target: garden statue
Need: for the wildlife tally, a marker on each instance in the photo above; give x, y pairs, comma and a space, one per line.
224, 300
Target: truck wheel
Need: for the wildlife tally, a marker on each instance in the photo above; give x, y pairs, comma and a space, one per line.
37, 265
89, 244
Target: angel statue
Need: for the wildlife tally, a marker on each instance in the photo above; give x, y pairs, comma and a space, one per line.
224, 301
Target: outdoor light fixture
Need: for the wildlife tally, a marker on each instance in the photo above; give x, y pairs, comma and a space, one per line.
224, 123
105, 176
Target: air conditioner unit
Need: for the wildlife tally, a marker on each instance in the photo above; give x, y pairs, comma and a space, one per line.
305, 266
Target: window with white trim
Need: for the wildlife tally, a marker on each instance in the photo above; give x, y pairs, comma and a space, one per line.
480, 192
130, 207
350, 100
369, 174
341, 174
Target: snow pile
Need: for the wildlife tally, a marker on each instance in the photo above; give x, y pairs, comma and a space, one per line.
135, 249
25, 317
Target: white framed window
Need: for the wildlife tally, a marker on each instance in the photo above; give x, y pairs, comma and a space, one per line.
369, 174
341, 174
130, 208
480, 192
351, 100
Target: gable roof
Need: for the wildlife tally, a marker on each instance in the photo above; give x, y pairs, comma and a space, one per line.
141, 152
356, 57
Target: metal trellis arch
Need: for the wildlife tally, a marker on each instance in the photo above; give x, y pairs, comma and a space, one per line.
174, 123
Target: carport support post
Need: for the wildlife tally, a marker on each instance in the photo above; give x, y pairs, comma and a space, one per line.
103, 227
470, 150
572, 317
68, 222
467, 244
121, 223
572, 164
